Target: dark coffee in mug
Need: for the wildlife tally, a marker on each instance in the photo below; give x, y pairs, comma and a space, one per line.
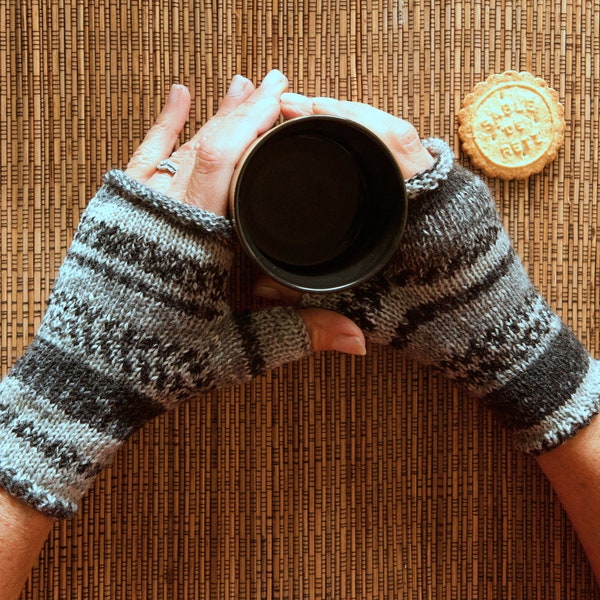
304, 200
319, 203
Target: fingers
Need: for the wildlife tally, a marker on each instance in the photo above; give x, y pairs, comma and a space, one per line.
184, 158
222, 143
329, 330
239, 91
162, 137
399, 135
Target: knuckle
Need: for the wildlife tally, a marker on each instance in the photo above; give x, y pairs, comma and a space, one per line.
406, 137
211, 157
141, 159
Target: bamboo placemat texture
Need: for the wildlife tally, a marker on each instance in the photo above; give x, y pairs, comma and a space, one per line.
334, 477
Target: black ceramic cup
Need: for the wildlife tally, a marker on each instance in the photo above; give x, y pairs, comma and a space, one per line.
319, 203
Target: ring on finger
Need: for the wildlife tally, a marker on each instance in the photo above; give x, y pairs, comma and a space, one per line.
167, 166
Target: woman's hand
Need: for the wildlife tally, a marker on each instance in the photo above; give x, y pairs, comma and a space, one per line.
399, 135
206, 162
205, 166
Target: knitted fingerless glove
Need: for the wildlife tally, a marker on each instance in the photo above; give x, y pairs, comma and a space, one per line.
137, 322
457, 297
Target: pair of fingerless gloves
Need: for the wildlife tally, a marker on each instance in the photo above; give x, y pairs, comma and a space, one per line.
139, 322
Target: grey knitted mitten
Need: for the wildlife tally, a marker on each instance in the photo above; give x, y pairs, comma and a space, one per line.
137, 322
457, 297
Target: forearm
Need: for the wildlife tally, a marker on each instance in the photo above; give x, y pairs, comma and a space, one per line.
574, 472
23, 532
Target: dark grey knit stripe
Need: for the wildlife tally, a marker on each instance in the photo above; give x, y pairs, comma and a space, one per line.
456, 257
560, 369
186, 218
63, 454
192, 276
480, 362
429, 311
82, 393
250, 343
200, 310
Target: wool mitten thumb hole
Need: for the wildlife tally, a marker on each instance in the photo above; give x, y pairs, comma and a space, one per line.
430, 179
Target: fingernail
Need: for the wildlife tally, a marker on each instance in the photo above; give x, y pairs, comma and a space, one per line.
349, 344
266, 292
174, 92
237, 85
273, 79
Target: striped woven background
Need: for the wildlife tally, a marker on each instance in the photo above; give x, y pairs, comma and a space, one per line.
334, 477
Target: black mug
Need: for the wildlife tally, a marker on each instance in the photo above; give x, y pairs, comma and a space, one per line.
319, 203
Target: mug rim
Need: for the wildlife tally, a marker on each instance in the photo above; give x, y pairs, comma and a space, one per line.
288, 277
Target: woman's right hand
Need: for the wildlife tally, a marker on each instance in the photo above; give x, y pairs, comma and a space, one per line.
402, 139
399, 135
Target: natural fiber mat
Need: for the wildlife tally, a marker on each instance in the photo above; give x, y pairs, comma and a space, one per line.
334, 477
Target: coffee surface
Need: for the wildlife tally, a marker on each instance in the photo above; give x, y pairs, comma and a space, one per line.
303, 200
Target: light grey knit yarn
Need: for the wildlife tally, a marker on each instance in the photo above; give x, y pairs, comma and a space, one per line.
137, 322
457, 297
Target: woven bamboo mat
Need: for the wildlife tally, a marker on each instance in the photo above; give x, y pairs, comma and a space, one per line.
334, 477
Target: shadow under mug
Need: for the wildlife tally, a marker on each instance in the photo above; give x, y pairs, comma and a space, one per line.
319, 203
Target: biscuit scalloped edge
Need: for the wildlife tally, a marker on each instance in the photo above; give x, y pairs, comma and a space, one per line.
469, 108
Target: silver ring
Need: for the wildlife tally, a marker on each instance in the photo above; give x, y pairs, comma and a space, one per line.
167, 165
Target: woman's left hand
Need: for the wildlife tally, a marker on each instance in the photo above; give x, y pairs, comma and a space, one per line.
206, 162
205, 166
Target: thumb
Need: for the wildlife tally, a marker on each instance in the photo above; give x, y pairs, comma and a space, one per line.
329, 330
269, 338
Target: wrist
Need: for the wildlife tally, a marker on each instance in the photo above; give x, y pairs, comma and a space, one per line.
197, 219
434, 171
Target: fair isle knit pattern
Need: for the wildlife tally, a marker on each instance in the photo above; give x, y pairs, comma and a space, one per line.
137, 322
457, 297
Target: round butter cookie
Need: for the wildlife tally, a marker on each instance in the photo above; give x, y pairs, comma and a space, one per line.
511, 125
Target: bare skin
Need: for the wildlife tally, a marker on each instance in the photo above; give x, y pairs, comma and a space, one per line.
206, 163
574, 472
23, 532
